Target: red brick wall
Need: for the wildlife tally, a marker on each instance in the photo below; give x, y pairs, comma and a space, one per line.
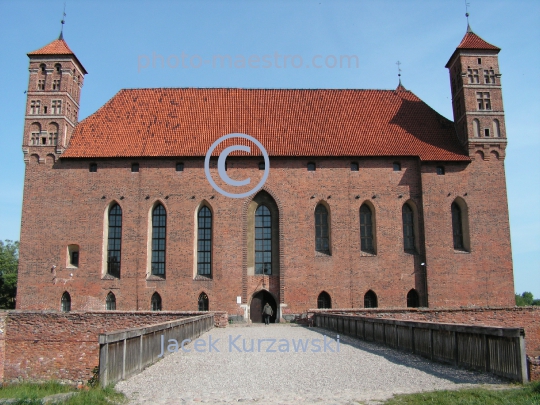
64, 346
65, 204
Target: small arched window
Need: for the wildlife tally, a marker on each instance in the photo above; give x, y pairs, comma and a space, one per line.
155, 302
204, 242
110, 302
457, 226
58, 68
397, 166
159, 228
311, 167
203, 302
366, 229
65, 302
43, 67
408, 228
370, 300
476, 128
322, 240
263, 240
324, 301
114, 242
496, 129
413, 300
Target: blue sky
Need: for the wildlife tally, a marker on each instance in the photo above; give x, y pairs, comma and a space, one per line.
112, 39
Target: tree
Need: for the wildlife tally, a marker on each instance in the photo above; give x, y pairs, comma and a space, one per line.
9, 261
526, 299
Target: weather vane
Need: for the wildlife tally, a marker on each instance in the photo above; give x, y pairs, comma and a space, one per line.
62, 21
398, 63
467, 11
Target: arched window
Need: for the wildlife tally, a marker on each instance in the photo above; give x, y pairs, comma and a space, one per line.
263, 240
156, 302
58, 68
324, 301
408, 228
114, 242
53, 133
204, 242
370, 300
366, 229
35, 131
457, 226
476, 128
65, 302
203, 302
110, 302
413, 301
322, 240
496, 129
159, 226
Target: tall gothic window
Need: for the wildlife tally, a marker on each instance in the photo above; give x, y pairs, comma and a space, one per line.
322, 240
110, 302
263, 240
408, 228
114, 242
65, 302
159, 224
204, 242
457, 226
366, 229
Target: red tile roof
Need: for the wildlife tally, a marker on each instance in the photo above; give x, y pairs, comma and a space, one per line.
473, 41
56, 47
288, 122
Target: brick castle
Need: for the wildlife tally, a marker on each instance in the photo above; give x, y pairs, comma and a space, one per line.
373, 198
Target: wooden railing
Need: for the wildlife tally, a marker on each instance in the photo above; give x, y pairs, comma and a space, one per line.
127, 352
500, 351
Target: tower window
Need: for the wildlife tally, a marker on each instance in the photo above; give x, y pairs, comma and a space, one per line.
43, 67
93, 167
483, 99
473, 76
35, 107
311, 167
179, 167
397, 166
56, 107
489, 76
56, 85
479, 61
440, 170
486, 132
41, 85
58, 67
134, 168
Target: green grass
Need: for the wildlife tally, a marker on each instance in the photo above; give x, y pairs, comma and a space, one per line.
526, 395
33, 390
31, 393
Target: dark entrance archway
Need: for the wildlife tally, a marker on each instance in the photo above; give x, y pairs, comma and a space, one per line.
257, 303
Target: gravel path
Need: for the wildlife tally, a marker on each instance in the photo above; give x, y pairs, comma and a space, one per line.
359, 372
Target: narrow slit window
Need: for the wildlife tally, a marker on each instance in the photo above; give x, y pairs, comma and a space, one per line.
322, 239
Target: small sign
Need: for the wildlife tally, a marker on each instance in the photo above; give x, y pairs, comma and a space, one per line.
239, 300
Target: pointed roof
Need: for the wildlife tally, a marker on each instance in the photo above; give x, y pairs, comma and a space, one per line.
288, 122
474, 42
57, 47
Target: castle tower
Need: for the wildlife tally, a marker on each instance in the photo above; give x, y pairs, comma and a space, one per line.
477, 96
52, 105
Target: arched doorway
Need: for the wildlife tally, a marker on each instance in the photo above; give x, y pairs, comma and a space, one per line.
257, 303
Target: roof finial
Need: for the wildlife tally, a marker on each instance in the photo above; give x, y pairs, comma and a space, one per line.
467, 15
63, 21
398, 63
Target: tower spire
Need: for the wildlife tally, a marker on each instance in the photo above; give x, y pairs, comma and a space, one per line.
62, 21
467, 16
